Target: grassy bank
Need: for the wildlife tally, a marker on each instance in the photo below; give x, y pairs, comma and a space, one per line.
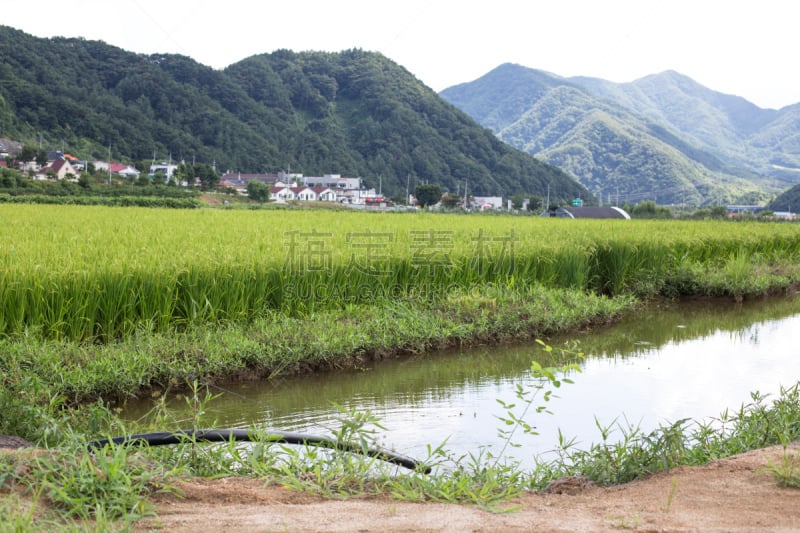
277, 344
68, 489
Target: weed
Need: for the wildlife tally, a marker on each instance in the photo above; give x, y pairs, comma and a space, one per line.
673, 488
544, 381
625, 522
787, 471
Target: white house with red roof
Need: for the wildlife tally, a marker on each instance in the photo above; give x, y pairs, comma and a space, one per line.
126, 171
283, 193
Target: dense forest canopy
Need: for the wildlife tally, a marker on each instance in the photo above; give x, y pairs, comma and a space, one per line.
788, 201
353, 113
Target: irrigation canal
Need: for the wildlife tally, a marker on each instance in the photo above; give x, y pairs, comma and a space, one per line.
684, 360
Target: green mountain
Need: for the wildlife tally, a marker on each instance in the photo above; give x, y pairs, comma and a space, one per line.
663, 137
352, 113
787, 201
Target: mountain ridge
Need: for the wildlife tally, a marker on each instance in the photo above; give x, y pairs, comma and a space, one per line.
352, 113
684, 142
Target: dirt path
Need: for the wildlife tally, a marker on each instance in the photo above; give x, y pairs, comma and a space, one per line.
728, 495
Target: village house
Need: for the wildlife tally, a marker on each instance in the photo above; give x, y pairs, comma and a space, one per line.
347, 190
485, 203
333, 181
284, 193
286, 187
120, 169
163, 168
126, 171
239, 180
59, 169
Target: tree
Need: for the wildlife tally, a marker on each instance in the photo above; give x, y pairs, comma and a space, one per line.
201, 172
8, 178
516, 201
258, 191
534, 203
427, 194
719, 211
27, 154
207, 175
450, 201
31, 153
649, 209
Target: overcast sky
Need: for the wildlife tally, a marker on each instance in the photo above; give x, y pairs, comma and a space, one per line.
742, 47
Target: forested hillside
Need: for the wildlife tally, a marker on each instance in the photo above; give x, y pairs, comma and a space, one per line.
353, 113
788, 201
663, 138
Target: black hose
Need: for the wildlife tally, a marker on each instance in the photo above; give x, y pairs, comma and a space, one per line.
227, 435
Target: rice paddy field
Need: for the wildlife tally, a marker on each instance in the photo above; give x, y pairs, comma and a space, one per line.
101, 273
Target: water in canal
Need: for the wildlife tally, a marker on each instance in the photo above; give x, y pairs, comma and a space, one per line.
689, 360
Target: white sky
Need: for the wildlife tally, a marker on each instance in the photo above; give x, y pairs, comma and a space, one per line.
740, 47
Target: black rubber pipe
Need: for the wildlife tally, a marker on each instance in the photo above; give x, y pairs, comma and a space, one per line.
286, 437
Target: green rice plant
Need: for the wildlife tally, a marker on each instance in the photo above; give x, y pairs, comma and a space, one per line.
573, 269
615, 264
99, 274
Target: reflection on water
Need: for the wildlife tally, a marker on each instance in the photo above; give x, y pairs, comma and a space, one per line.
689, 360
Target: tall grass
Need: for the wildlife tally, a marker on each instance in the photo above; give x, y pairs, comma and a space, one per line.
96, 273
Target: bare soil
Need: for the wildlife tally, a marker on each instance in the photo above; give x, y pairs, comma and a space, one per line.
732, 494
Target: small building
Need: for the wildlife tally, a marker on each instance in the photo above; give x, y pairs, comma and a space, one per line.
333, 181
324, 194
59, 169
741, 209
165, 169
239, 181
586, 212
126, 171
487, 202
282, 193
54, 155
